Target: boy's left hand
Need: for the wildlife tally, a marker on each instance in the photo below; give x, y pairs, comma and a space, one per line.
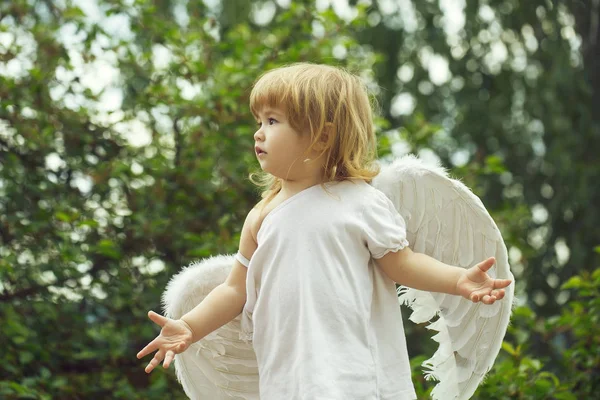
476, 285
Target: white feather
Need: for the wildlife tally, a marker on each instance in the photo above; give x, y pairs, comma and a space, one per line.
444, 220
220, 366
448, 222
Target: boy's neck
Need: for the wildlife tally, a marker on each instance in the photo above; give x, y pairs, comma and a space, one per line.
291, 187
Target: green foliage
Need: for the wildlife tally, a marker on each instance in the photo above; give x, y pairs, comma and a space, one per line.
508, 93
110, 183
519, 375
579, 326
573, 337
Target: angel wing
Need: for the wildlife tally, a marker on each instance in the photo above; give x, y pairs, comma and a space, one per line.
445, 220
220, 366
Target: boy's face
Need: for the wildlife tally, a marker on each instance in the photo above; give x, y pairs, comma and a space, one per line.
280, 149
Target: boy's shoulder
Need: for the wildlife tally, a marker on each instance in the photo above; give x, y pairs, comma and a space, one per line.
253, 221
361, 190
257, 214
365, 196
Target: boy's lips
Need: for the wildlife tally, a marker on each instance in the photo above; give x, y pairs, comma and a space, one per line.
259, 151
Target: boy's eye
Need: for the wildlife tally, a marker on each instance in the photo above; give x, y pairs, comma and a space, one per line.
271, 121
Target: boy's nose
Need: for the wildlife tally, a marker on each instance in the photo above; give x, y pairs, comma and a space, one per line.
258, 135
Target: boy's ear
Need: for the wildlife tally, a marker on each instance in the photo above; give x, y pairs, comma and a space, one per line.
325, 137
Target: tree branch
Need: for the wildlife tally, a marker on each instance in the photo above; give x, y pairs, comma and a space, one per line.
178, 141
5, 235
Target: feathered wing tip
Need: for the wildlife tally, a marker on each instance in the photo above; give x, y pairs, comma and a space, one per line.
220, 366
448, 222
194, 282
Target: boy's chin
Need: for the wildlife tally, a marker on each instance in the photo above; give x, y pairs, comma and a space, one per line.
276, 174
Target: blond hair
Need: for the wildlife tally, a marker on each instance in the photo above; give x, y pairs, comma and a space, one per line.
330, 104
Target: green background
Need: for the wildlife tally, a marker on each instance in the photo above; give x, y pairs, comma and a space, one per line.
126, 143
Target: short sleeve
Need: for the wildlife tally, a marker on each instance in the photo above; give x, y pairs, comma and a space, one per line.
384, 229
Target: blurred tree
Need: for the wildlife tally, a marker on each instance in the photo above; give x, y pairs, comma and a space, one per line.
123, 126
512, 90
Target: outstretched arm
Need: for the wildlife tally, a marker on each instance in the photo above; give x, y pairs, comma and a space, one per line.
422, 272
222, 304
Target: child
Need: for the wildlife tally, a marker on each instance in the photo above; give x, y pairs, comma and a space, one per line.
312, 250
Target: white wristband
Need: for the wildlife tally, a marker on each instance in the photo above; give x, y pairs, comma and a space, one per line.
243, 260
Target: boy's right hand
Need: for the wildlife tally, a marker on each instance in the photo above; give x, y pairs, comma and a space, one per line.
174, 338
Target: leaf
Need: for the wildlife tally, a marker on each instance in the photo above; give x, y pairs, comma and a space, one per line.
73, 13
62, 216
494, 165
89, 222
108, 248
509, 349
573, 283
565, 396
551, 376
25, 357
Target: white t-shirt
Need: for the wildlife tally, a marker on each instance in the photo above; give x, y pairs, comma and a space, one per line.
324, 319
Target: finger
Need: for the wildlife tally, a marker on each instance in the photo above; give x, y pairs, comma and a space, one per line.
151, 365
168, 358
501, 283
487, 264
157, 318
474, 298
150, 347
155, 361
499, 294
487, 299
